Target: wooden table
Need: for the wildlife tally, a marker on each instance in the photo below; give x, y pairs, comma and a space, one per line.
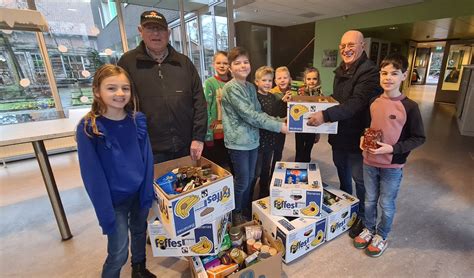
36, 133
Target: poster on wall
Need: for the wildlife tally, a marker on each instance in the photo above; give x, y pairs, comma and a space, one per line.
329, 58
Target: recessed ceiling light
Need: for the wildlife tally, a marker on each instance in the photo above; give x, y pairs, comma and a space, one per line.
72, 10
393, 27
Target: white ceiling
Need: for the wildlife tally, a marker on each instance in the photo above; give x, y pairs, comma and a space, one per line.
293, 12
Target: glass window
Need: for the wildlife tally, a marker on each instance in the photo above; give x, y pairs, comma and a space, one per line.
221, 27
176, 38
78, 42
208, 43
25, 93
194, 43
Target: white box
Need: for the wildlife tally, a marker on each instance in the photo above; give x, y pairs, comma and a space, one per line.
296, 190
341, 210
300, 108
270, 267
299, 236
204, 240
203, 204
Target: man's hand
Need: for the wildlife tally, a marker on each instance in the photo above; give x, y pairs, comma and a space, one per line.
316, 119
384, 148
196, 149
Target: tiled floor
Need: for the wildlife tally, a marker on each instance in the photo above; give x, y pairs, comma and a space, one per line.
433, 232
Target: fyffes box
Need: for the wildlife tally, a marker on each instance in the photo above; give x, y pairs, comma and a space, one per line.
204, 240
300, 108
299, 236
340, 209
296, 190
202, 205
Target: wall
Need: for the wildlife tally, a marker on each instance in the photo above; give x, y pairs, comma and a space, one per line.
286, 43
329, 31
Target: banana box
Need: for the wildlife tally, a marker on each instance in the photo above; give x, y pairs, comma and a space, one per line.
340, 209
269, 267
296, 190
300, 108
204, 240
299, 236
182, 213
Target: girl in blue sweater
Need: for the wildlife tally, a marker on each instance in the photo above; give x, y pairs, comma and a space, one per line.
117, 168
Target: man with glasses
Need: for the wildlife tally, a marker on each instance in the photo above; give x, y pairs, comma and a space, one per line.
169, 90
356, 82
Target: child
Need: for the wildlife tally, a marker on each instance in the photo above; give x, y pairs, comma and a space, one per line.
214, 148
242, 117
281, 91
305, 141
271, 104
400, 121
117, 168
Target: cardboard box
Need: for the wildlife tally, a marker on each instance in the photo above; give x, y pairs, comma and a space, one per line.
204, 240
194, 208
340, 209
300, 108
296, 190
299, 236
270, 267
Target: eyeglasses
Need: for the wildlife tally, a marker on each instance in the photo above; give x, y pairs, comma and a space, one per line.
151, 29
350, 45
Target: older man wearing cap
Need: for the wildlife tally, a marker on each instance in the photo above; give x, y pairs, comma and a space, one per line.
169, 90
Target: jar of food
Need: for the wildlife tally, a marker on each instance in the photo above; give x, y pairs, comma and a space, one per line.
237, 256
236, 236
256, 246
250, 243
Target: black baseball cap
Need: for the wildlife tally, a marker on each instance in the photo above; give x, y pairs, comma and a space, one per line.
153, 17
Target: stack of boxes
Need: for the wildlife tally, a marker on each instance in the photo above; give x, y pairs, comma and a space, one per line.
301, 211
193, 222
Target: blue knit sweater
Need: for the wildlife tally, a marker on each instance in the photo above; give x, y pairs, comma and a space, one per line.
116, 165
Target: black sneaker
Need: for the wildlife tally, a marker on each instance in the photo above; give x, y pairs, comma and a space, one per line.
139, 271
356, 228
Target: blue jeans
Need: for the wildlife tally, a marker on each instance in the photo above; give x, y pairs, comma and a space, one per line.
128, 215
382, 186
244, 163
349, 166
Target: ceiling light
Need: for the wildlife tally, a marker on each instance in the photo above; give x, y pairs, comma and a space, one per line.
393, 27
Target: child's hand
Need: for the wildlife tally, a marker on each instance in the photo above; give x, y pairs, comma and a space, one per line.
361, 144
284, 128
384, 149
287, 96
213, 124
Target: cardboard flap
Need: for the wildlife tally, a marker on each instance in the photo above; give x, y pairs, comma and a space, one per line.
327, 99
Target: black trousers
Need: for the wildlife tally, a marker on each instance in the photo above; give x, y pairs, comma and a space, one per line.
304, 146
